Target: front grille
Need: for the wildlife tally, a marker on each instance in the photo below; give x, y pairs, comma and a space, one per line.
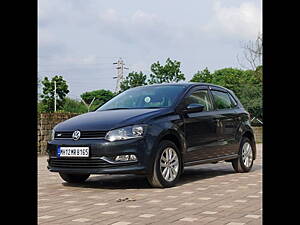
93, 134
79, 163
84, 134
63, 134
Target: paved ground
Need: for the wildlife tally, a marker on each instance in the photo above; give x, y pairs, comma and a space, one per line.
206, 194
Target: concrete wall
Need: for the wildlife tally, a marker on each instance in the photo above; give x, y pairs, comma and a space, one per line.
46, 122
258, 131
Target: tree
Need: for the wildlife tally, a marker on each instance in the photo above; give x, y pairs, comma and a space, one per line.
251, 98
203, 76
48, 93
252, 54
166, 74
133, 79
73, 106
246, 84
39, 85
101, 97
228, 77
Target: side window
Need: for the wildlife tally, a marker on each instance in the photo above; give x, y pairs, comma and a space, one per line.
222, 100
199, 97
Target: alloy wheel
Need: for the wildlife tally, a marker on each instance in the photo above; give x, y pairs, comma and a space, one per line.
169, 164
247, 154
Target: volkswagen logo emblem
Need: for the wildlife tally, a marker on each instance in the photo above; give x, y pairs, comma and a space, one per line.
76, 135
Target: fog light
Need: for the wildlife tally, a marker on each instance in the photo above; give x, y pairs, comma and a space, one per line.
126, 158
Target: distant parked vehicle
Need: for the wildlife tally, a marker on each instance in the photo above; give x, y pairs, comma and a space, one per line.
155, 130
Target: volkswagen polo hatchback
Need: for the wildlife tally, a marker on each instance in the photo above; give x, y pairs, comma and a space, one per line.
155, 130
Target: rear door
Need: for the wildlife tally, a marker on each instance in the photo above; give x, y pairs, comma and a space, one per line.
228, 118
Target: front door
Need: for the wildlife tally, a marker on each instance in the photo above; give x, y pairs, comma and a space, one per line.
201, 128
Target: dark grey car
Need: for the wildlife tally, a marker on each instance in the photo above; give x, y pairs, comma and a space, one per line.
155, 130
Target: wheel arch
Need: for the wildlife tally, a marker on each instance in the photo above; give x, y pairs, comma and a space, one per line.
250, 135
177, 138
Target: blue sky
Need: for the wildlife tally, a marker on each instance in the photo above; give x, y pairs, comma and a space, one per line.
80, 39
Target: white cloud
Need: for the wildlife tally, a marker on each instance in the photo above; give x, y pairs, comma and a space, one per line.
143, 18
110, 16
139, 27
243, 21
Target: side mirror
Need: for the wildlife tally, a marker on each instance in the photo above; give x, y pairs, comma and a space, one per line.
194, 108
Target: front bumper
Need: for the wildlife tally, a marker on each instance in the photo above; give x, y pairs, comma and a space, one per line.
101, 157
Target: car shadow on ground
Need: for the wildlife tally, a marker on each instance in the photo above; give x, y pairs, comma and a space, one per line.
190, 175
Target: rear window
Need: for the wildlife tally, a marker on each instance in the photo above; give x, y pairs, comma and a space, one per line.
223, 100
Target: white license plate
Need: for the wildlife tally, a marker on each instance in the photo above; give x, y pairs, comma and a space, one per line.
73, 151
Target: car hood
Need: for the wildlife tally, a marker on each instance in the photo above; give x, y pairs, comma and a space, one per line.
109, 119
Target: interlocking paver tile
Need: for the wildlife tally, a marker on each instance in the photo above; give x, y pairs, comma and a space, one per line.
172, 196
70, 202
253, 216
121, 223
170, 209
81, 220
201, 189
207, 219
234, 223
133, 206
188, 219
146, 215
204, 198
101, 203
219, 194
45, 217
154, 201
225, 206
209, 212
44, 207
253, 196
109, 212
206, 194
188, 203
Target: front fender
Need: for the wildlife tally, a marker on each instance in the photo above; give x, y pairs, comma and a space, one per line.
165, 130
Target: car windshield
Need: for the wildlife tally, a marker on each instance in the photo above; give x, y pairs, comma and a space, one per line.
145, 97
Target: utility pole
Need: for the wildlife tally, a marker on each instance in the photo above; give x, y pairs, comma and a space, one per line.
54, 96
120, 70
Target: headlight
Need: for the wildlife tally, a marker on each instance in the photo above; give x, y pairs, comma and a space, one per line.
52, 134
136, 131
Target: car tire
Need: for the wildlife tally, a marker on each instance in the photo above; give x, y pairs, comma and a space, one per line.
167, 166
74, 178
244, 162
